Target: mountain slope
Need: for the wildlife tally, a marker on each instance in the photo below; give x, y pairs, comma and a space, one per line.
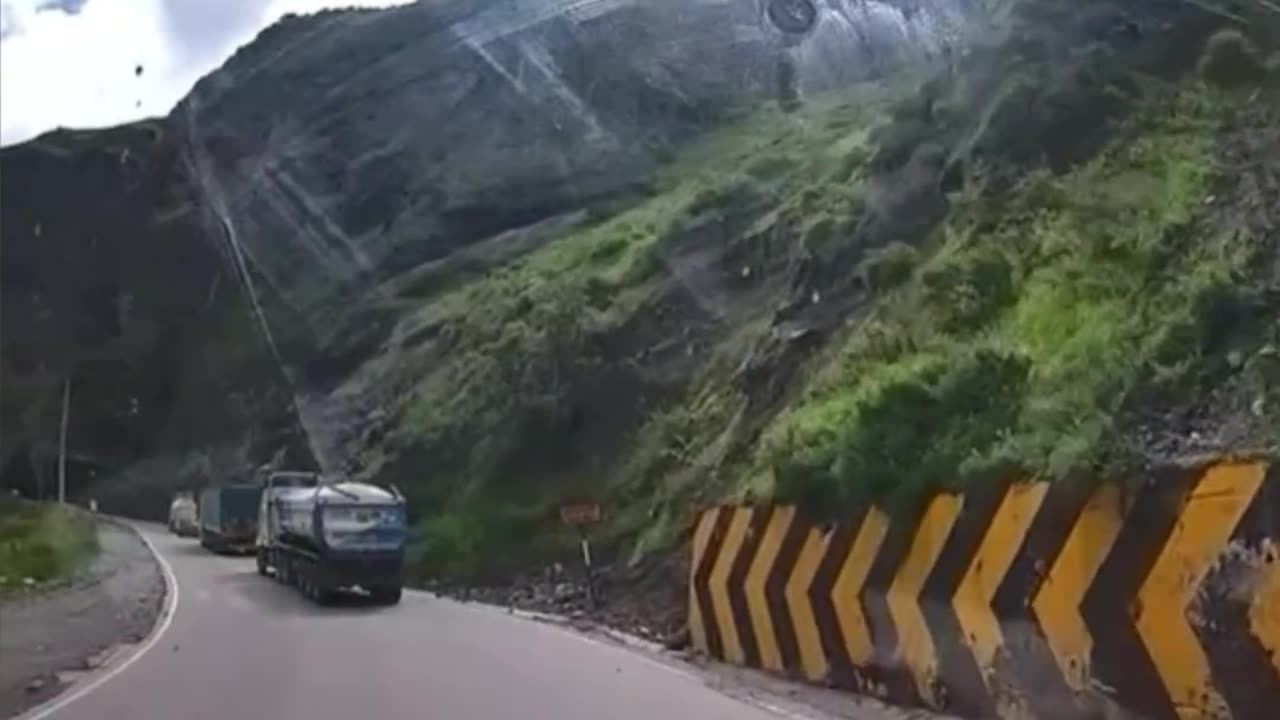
889, 291
246, 238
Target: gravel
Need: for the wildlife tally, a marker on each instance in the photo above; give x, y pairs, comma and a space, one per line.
646, 601
48, 637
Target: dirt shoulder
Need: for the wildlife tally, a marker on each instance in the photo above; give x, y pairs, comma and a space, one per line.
50, 637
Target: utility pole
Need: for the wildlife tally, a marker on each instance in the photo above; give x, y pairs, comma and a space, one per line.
62, 441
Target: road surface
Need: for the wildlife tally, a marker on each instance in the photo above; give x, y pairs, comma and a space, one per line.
241, 646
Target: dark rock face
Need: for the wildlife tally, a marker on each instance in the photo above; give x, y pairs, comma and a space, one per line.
346, 145
194, 276
107, 285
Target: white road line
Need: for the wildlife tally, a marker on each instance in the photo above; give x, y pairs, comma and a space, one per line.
41, 712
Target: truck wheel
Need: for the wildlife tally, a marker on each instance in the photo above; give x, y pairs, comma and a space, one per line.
313, 590
387, 595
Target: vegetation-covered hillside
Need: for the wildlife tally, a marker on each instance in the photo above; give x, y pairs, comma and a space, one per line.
1054, 255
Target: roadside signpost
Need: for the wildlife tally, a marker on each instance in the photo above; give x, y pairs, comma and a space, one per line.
581, 515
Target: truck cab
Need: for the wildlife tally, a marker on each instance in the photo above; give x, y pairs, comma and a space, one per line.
274, 483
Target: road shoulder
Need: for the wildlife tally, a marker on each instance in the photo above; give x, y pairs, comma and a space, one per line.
54, 638
787, 699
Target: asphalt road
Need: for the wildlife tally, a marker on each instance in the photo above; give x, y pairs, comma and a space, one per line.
241, 646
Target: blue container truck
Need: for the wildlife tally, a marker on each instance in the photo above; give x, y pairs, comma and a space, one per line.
326, 536
229, 517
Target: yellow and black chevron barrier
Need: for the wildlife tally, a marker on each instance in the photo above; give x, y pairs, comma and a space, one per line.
1158, 599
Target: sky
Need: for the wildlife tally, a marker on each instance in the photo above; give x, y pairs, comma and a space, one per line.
95, 63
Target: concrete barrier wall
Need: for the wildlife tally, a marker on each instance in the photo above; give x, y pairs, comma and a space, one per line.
1157, 599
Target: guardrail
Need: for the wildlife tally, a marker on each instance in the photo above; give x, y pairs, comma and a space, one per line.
1155, 599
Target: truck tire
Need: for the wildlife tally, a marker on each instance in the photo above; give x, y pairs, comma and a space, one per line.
314, 591
387, 595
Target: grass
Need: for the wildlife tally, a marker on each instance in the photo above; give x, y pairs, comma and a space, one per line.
1019, 339
1009, 342
42, 542
512, 346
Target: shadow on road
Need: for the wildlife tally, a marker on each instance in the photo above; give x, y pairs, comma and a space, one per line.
190, 549
272, 597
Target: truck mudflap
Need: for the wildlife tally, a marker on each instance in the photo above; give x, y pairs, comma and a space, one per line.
368, 570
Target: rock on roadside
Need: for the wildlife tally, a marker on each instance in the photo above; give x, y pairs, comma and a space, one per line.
114, 601
646, 601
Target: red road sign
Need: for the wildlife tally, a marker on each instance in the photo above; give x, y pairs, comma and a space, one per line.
580, 513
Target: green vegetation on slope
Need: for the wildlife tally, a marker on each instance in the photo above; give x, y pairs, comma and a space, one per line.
781, 317
1016, 344
513, 350
42, 542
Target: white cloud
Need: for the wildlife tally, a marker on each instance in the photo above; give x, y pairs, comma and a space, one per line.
79, 70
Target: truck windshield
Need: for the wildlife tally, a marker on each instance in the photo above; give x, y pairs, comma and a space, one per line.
294, 480
363, 515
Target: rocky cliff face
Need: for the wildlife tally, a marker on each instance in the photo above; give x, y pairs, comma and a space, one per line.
344, 146
205, 279
108, 286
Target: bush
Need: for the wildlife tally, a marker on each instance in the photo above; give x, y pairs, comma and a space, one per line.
1230, 60
1018, 344
473, 540
888, 267
42, 542
912, 434
966, 291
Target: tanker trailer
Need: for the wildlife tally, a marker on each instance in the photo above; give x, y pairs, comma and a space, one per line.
331, 536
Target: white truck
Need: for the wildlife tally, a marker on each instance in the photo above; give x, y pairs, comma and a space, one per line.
183, 520
323, 535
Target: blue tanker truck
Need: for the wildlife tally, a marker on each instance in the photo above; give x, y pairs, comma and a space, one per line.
325, 535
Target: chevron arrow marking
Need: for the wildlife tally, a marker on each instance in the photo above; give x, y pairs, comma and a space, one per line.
757, 578
915, 646
812, 659
846, 593
701, 538
1204, 527
1264, 612
1057, 604
990, 564
733, 540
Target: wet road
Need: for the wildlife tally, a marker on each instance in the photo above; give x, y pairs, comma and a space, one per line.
241, 646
